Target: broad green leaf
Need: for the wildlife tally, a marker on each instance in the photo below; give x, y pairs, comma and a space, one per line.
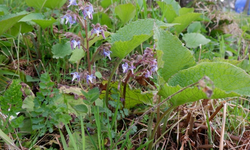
52, 4
172, 55
32, 16
36, 3
102, 18
132, 35
168, 11
107, 3
125, 12
185, 10
194, 40
191, 94
229, 81
77, 55
45, 23
174, 4
194, 27
95, 39
184, 21
7, 21
136, 96
60, 50
81, 108
133, 96
20, 26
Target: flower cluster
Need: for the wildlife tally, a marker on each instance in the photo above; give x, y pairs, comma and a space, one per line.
104, 50
146, 64
69, 17
87, 10
98, 29
72, 2
75, 41
82, 76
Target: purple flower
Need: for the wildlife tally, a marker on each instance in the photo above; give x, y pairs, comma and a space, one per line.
148, 74
74, 43
69, 19
125, 67
75, 76
106, 53
154, 68
90, 78
97, 29
72, 2
132, 67
88, 11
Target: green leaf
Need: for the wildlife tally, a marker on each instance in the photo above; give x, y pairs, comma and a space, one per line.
125, 12
168, 11
20, 26
45, 3
98, 74
194, 40
54, 4
229, 81
61, 50
32, 16
185, 10
191, 94
132, 35
171, 55
77, 55
44, 23
28, 103
136, 96
81, 108
37, 3
194, 27
7, 21
102, 18
95, 39
107, 3
92, 95
174, 4
184, 21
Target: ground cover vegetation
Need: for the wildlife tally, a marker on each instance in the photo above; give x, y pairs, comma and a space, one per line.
115, 74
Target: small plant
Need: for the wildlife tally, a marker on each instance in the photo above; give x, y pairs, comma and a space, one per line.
47, 113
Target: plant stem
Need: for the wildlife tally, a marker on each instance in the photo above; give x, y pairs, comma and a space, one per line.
108, 84
157, 124
87, 48
124, 87
158, 117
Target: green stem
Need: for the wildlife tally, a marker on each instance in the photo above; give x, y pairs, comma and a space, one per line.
157, 124
108, 84
87, 44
